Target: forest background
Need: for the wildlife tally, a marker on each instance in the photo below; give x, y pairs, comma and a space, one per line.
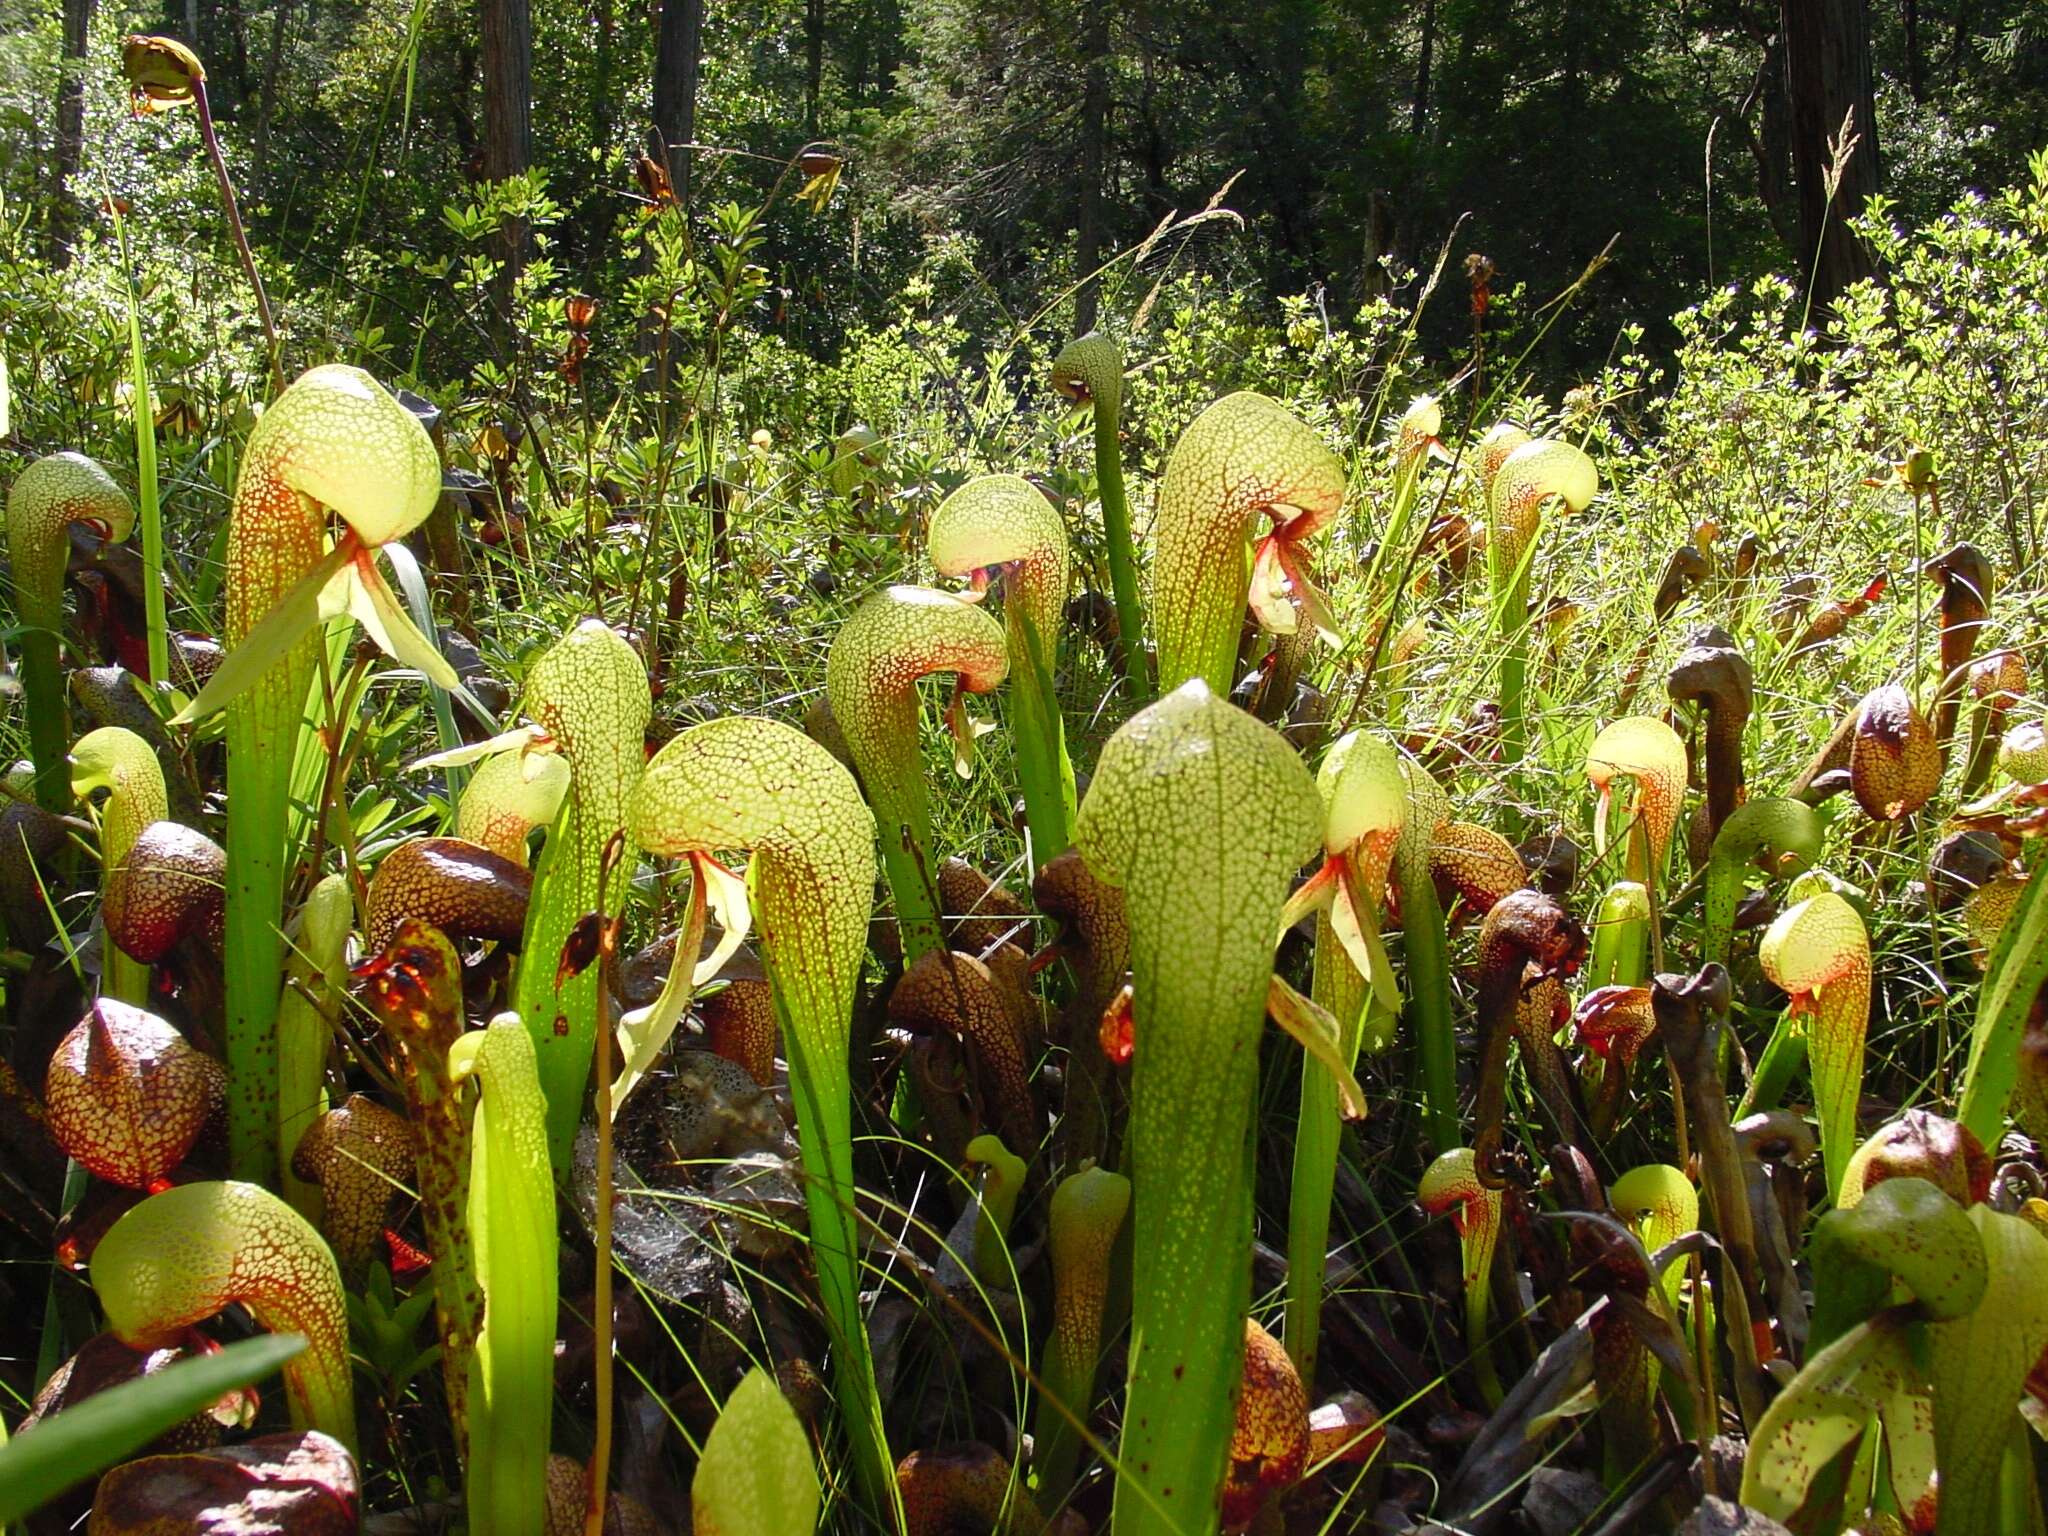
996, 151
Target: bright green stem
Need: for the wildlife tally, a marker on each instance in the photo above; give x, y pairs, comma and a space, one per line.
183, 1255
1420, 424
1091, 367
1536, 472
511, 1213
1043, 770
1004, 523
1425, 948
1338, 987
1123, 557
415, 991
755, 784
1192, 795
1513, 604
334, 440
305, 1026
1088, 1211
49, 721
1426, 951
117, 760
1365, 806
1780, 837
1819, 953
1779, 1062
589, 692
1621, 937
157, 637
1242, 460
46, 498
898, 636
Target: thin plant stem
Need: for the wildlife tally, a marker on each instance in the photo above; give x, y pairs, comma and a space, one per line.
234, 213
151, 513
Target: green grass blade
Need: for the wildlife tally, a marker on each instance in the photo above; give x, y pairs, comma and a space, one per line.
114, 1424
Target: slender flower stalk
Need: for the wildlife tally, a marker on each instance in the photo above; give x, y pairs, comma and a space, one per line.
1365, 802
1003, 525
1090, 368
163, 73
183, 1255
755, 784
45, 500
1244, 460
1192, 795
336, 440
1425, 948
898, 636
117, 760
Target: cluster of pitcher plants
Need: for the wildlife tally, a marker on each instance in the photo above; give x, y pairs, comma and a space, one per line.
705, 1034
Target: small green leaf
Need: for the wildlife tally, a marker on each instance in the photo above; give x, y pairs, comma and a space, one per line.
755, 1477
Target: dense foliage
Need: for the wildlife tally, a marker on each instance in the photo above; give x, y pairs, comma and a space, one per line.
694, 903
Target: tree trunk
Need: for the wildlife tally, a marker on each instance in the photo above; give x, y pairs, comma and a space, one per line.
273, 67
70, 128
602, 115
1827, 81
814, 62
678, 40
1916, 61
1418, 113
1094, 159
238, 56
505, 36
594, 220
1770, 142
1158, 196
